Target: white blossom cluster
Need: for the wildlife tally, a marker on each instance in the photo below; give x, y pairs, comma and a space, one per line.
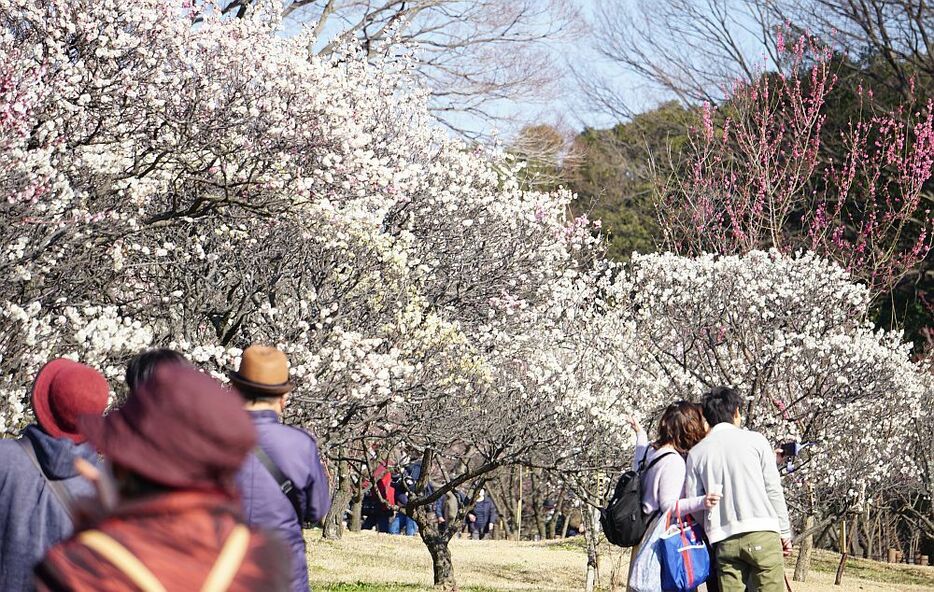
790, 334
207, 187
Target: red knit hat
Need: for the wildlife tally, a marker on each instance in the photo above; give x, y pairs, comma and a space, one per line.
63, 390
180, 429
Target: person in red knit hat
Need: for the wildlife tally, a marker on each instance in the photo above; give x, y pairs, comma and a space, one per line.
170, 518
38, 478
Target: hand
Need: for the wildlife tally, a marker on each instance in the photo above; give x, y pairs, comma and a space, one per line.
90, 510
634, 424
471, 518
711, 500
779, 457
786, 547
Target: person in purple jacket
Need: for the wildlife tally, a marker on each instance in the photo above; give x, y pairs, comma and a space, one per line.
286, 458
38, 479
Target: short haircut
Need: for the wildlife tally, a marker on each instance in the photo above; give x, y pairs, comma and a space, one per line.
144, 364
251, 396
721, 405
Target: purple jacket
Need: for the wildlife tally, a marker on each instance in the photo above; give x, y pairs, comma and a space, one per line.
296, 454
33, 518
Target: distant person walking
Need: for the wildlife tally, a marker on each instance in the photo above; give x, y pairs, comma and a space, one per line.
749, 529
482, 519
446, 509
379, 499
170, 521
405, 485
38, 479
282, 483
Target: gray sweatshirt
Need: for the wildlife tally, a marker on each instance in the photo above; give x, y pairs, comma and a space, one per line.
742, 462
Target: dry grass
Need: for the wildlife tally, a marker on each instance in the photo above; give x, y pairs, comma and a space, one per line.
382, 563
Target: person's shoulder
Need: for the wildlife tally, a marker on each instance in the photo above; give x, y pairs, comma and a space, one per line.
8, 445
12, 459
669, 458
701, 447
755, 438
286, 437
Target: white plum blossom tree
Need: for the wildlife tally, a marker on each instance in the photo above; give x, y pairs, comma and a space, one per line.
211, 186
791, 334
204, 187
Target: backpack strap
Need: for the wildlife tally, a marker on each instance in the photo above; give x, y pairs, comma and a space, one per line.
121, 558
220, 577
645, 455
645, 470
286, 486
58, 488
228, 561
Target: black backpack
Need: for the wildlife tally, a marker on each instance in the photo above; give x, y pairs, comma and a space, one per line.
623, 521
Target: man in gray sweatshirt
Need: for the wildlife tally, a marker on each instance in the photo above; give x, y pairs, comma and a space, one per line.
749, 528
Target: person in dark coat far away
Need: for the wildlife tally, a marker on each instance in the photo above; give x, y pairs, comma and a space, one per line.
446, 510
34, 513
482, 519
170, 521
263, 381
405, 485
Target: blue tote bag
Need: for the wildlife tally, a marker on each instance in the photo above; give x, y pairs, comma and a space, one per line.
685, 559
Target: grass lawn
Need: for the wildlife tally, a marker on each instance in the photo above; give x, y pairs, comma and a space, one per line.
382, 563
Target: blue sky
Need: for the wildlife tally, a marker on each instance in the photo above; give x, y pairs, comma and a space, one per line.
569, 107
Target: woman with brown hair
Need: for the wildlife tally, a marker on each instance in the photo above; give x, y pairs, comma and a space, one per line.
681, 427
662, 467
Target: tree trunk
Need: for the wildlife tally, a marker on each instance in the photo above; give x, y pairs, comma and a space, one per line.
803, 565
537, 503
356, 512
334, 520
441, 565
552, 524
865, 531
564, 525
593, 563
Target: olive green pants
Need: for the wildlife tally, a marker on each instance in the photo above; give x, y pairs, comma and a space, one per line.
753, 561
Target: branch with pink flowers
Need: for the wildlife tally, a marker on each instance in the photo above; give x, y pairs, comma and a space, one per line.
763, 171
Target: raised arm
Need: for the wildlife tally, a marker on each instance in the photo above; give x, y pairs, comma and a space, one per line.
642, 444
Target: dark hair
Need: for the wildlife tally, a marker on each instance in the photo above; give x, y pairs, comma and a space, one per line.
251, 396
721, 405
144, 364
132, 485
681, 426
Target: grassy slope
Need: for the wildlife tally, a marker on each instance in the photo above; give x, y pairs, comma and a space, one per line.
382, 563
